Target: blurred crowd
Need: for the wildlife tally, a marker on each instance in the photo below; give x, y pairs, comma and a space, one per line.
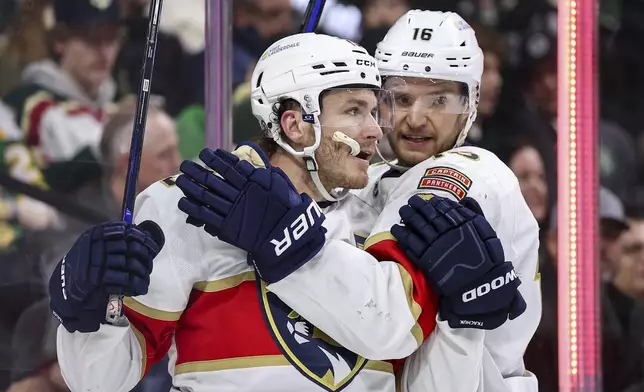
69, 69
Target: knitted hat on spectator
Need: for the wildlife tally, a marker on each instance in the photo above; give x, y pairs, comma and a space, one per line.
86, 12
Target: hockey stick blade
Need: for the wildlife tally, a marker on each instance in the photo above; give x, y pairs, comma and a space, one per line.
114, 309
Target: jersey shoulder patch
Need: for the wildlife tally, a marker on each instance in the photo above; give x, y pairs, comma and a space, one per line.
457, 172
447, 179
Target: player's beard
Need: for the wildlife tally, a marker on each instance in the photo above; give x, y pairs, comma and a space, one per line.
337, 166
410, 158
439, 143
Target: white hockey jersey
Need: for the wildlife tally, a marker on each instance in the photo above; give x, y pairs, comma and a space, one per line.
225, 330
466, 360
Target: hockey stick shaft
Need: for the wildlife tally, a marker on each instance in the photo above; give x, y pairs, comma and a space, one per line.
115, 305
312, 16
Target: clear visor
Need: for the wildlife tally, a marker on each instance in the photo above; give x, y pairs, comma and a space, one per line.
354, 110
429, 95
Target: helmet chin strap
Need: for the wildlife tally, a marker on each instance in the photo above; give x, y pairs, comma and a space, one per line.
391, 164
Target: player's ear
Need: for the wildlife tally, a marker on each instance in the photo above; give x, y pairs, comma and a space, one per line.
293, 126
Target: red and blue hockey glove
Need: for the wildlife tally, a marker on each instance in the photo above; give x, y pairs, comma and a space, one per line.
253, 208
111, 258
462, 258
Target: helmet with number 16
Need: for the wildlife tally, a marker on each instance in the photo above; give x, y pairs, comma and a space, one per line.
432, 63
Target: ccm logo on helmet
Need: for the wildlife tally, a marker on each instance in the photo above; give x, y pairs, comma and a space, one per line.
421, 55
485, 288
297, 229
366, 63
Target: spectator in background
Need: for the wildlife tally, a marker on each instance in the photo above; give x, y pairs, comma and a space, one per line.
377, 17
18, 280
538, 116
160, 159
26, 39
179, 61
20, 211
62, 103
618, 163
256, 25
488, 131
527, 165
613, 224
625, 293
536, 121
531, 29
628, 278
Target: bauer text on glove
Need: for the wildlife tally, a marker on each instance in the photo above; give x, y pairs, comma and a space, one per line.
254, 207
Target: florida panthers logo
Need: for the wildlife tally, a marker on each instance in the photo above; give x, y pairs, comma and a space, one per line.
308, 349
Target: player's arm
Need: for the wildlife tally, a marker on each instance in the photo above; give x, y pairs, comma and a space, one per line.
507, 344
459, 362
455, 176
466, 252
379, 310
116, 357
449, 359
478, 174
376, 310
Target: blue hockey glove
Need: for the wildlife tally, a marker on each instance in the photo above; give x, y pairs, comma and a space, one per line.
111, 258
253, 208
462, 258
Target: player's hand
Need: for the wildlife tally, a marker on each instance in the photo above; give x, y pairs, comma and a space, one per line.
111, 258
462, 258
252, 206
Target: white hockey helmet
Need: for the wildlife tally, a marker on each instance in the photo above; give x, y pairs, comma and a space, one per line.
300, 67
434, 45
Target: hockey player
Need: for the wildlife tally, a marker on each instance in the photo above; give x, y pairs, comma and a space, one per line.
202, 302
432, 63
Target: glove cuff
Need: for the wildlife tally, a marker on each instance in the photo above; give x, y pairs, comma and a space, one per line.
303, 255
492, 292
487, 321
